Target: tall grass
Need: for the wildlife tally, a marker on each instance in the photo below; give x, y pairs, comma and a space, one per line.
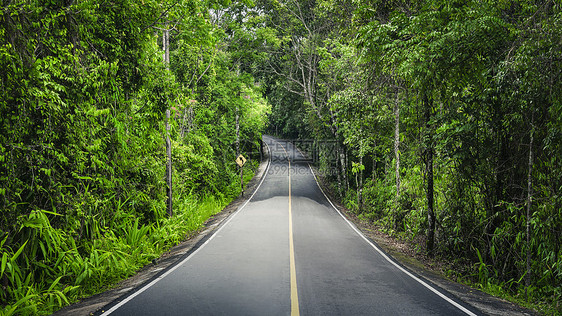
51, 270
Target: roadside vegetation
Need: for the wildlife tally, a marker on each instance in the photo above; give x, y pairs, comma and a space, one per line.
438, 120
85, 90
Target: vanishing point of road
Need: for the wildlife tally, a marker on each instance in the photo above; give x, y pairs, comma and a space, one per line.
288, 251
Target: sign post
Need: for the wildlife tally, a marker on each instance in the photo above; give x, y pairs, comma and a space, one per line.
240, 161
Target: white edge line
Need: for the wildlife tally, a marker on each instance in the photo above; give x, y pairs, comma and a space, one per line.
431, 288
172, 269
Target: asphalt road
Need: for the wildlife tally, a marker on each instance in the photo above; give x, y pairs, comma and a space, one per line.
288, 251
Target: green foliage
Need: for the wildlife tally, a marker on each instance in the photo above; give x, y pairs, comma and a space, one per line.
82, 159
473, 81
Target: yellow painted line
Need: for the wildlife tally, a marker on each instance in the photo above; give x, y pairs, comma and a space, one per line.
292, 267
294, 293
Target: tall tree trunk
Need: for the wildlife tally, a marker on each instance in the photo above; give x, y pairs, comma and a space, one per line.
397, 145
529, 202
359, 183
556, 228
169, 164
238, 150
338, 169
166, 47
166, 60
427, 104
344, 168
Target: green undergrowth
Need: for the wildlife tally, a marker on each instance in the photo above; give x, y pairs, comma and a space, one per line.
544, 300
407, 223
71, 270
536, 300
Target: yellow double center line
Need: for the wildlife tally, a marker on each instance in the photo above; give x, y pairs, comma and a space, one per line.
292, 267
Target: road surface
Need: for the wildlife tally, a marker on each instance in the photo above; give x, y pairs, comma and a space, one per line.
288, 251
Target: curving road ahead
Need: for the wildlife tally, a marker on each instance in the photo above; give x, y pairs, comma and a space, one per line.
288, 251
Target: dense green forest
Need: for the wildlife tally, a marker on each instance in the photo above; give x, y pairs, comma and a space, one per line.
85, 90
441, 121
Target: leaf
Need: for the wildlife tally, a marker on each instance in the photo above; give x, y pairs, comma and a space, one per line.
16, 255
55, 282
4, 261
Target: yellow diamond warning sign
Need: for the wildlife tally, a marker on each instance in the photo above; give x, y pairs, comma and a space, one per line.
240, 160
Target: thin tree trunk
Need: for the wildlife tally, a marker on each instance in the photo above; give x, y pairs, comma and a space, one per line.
557, 227
429, 192
529, 202
338, 168
397, 145
169, 164
343, 159
374, 168
237, 133
360, 185
166, 47
430, 202
238, 150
